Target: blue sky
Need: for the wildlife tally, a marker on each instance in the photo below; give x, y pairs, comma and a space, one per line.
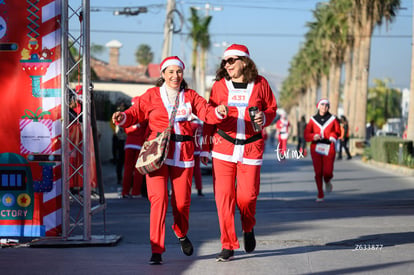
272, 30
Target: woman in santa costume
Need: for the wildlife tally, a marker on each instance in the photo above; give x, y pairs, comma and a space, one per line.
323, 130
155, 106
132, 180
282, 132
236, 148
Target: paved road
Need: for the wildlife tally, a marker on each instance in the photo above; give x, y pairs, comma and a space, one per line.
366, 226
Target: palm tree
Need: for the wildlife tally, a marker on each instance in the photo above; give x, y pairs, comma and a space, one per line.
144, 55
342, 32
194, 34
383, 102
204, 43
97, 49
370, 13
200, 40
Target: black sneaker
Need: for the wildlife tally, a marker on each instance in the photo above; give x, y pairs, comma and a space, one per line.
225, 255
155, 259
186, 246
249, 241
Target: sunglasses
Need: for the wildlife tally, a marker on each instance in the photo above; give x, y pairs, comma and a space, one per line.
231, 61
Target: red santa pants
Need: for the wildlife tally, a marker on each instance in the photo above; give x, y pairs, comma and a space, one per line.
131, 175
228, 193
323, 167
157, 186
197, 173
283, 145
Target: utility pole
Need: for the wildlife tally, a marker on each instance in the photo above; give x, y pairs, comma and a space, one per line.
168, 30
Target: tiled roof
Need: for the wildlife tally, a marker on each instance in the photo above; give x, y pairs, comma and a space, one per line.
154, 70
118, 73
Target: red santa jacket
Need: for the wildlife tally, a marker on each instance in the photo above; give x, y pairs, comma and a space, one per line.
328, 128
282, 126
154, 107
238, 123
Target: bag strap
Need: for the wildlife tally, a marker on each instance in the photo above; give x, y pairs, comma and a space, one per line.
174, 110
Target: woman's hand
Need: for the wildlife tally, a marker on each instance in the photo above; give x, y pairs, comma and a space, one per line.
204, 160
222, 110
316, 137
259, 118
117, 117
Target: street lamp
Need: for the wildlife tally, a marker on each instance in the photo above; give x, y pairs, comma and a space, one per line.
208, 7
130, 11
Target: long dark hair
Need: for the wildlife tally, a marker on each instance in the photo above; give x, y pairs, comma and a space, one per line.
249, 72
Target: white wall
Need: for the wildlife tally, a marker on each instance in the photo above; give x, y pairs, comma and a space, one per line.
104, 128
131, 90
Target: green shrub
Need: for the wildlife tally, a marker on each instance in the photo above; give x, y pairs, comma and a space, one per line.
391, 150
408, 160
367, 153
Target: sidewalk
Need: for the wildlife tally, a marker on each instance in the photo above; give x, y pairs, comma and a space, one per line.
365, 226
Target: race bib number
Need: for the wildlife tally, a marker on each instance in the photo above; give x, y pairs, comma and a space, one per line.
183, 112
238, 98
322, 148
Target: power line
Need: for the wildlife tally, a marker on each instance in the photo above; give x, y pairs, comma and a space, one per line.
238, 34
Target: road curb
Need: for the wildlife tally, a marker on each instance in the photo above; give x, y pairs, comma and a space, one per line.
392, 167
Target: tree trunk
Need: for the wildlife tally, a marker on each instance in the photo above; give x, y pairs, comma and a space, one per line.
197, 72
313, 94
410, 123
354, 80
334, 92
202, 78
331, 80
347, 82
308, 102
194, 64
362, 92
324, 86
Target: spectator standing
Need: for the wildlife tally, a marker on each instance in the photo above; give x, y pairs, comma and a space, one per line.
301, 147
344, 138
371, 132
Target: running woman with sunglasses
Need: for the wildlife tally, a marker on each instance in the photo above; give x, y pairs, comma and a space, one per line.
236, 148
323, 130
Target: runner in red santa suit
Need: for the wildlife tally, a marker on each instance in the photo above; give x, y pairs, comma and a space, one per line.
132, 180
237, 149
155, 106
323, 130
282, 130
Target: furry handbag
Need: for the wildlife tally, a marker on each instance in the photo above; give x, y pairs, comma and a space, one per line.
154, 152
